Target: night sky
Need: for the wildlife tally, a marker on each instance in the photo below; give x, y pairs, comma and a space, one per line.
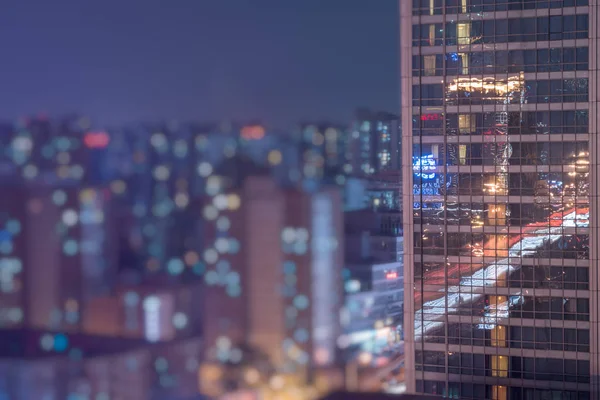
122, 61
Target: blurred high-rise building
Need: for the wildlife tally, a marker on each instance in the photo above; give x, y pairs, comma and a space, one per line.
374, 287
372, 317
322, 156
384, 192
273, 280
500, 164
373, 143
58, 252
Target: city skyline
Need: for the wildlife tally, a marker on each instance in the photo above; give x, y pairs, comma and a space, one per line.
199, 259
200, 200
226, 200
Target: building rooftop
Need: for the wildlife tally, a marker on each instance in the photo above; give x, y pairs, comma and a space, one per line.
239, 167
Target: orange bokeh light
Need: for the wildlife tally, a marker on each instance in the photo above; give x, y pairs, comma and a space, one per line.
253, 132
96, 140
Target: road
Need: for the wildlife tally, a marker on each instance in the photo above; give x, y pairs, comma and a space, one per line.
460, 290
455, 272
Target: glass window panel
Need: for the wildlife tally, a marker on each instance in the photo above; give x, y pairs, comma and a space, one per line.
429, 65
556, 27
582, 26
555, 59
543, 57
463, 32
543, 28
499, 366
581, 55
569, 59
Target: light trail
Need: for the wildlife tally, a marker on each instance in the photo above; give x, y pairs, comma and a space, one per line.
462, 294
451, 275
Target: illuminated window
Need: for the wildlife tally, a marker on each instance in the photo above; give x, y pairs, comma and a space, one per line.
463, 32
152, 328
462, 154
463, 6
385, 157
435, 150
429, 65
499, 393
464, 57
498, 336
497, 212
497, 307
466, 124
499, 366
495, 185
432, 35
431, 7
496, 301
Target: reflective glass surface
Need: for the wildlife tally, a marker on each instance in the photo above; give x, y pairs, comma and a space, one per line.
500, 154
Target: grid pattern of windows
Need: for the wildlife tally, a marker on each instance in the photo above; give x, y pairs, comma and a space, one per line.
515, 30
498, 366
490, 245
500, 153
436, 7
523, 153
518, 337
481, 391
517, 123
474, 91
553, 59
558, 276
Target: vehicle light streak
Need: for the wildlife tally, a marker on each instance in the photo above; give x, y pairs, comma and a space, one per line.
470, 288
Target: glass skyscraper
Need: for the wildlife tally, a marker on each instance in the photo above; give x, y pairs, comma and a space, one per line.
499, 124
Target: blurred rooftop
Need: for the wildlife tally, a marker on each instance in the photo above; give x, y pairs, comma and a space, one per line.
377, 396
34, 344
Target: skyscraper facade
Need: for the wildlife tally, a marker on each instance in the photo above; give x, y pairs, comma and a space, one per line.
499, 156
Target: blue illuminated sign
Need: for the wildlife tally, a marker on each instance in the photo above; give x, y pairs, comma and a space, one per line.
431, 182
423, 164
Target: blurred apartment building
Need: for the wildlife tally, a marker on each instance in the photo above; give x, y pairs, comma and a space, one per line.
373, 313
69, 326
274, 288
58, 254
374, 287
373, 143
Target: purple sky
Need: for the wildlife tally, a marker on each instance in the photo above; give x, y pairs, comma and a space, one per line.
118, 61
